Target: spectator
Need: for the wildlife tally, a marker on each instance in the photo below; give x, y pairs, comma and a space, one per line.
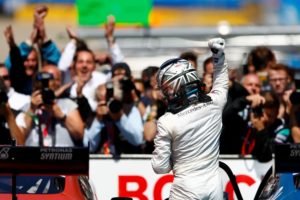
114, 55
67, 56
8, 128
154, 105
87, 79
76, 44
294, 115
280, 82
295, 123
50, 121
191, 57
207, 77
23, 60
259, 61
251, 83
267, 129
117, 127
149, 83
17, 101
208, 66
208, 81
50, 54
139, 86
113, 47
261, 58
54, 83
22, 68
241, 100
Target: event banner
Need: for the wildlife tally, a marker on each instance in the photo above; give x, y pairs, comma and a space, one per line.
134, 177
95, 12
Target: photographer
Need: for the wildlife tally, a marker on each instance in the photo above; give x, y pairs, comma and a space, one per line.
23, 59
8, 128
267, 129
241, 100
117, 127
50, 121
17, 101
294, 115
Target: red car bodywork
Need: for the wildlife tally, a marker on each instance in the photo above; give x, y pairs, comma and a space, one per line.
72, 191
38, 173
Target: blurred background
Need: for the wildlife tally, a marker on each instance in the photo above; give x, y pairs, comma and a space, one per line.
149, 31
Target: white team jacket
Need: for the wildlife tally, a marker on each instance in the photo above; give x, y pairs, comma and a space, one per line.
188, 144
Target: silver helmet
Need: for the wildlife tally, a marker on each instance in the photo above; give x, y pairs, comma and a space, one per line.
173, 74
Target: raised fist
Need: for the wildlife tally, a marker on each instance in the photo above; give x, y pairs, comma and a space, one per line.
41, 11
109, 29
217, 46
8, 33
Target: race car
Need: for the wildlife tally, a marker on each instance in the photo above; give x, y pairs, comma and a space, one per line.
47, 188
283, 180
47, 173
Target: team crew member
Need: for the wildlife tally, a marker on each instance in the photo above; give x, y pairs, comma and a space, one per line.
188, 135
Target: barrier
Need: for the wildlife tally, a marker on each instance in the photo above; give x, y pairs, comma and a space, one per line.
41, 160
133, 176
15, 160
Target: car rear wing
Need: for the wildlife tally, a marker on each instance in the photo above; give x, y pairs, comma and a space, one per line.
287, 158
44, 160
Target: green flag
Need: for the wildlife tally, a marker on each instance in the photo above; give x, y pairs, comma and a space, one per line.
126, 12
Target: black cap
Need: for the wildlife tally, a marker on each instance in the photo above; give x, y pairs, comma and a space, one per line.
121, 65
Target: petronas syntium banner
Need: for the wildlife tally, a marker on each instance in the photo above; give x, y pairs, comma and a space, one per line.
126, 12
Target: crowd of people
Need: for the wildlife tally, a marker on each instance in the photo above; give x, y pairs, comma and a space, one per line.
51, 97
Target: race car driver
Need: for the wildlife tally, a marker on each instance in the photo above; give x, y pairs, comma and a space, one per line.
188, 135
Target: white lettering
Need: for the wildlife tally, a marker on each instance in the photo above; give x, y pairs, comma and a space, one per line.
295, 153
56, 150
56, 156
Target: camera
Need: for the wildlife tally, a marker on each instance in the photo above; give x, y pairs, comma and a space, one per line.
126, 87
109, 91
48, 95
258, 111
114, 105
122, 91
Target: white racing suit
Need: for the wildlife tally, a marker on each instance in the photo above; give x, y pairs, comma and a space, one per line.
188, 143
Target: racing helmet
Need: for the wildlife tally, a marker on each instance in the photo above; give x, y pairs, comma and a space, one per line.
173, 74
180, 84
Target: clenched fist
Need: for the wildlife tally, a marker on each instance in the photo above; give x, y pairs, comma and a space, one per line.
217, 46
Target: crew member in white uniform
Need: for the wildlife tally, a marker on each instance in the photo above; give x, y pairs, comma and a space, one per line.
188, 135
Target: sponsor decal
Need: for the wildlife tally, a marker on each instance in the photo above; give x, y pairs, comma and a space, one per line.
56, 154
4, 153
